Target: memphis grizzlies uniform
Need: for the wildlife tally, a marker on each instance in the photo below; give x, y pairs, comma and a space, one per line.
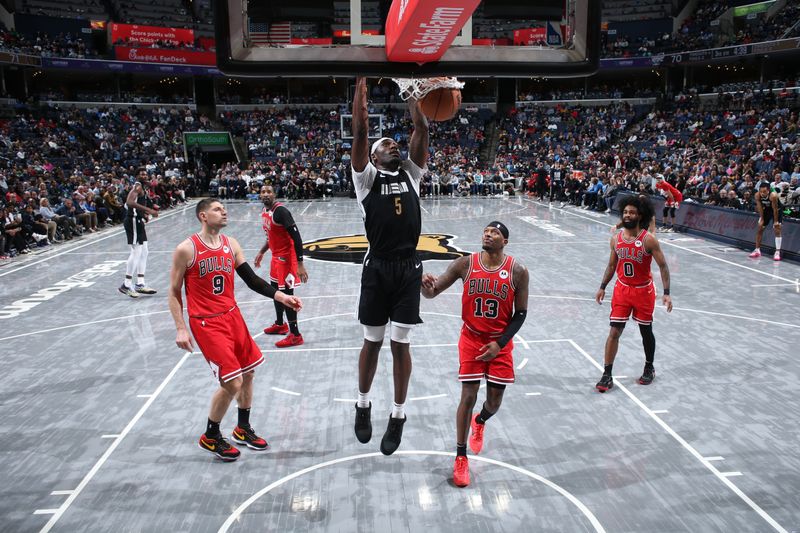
134, 223
392, 274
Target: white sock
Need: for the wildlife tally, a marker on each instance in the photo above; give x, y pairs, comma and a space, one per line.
778, 241
140, 279
398, 410
363, 401
127, 282
757, 250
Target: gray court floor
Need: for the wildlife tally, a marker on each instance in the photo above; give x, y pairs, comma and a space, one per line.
100, 411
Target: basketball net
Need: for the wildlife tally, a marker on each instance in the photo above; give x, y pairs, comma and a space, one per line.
417, 88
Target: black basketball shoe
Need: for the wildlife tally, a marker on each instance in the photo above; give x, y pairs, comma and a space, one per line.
394, 434
648, 375
605, 383
363, 425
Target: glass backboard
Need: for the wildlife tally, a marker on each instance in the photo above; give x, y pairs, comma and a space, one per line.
503, 38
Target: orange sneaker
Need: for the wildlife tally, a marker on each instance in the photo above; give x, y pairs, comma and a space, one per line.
277, 329
248, 437
476, 436
290, 340
461, 471
219, 447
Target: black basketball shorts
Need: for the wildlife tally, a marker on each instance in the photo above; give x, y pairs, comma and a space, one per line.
390, 291
134, 230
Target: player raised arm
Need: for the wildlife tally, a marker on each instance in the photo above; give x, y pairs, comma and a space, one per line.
256, 283
608, 274
180, 260
654, 248
359, 156
433, 286
420, 139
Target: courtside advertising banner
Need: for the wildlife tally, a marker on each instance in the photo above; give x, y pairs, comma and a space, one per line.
134, 33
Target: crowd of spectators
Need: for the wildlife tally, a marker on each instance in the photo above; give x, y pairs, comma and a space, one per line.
66, 171
61, 45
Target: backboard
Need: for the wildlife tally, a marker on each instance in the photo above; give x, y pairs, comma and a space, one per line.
312, 38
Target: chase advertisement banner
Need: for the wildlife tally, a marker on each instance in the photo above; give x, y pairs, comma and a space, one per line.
353, 248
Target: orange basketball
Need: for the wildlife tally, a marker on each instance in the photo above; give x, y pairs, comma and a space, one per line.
441, 104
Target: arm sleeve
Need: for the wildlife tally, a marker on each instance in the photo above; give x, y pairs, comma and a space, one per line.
254, 282
283, 217
513, 327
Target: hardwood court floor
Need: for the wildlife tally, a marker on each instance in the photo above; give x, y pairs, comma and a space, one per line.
100, 411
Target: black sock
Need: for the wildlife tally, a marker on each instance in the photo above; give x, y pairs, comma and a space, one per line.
461, 450
212, 429
278, 308
291, 315
607, 369
244, 417
293, 327
483, 416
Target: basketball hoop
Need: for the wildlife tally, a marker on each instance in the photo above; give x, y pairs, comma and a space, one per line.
417, 88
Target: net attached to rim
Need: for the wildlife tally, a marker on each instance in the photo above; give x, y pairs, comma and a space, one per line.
417, 88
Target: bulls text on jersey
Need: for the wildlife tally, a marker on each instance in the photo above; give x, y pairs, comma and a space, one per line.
214, 264
487, 286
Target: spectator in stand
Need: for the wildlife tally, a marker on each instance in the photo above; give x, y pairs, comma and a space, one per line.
61, 222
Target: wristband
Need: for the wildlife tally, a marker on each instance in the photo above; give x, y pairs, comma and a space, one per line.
603, 286
666, 292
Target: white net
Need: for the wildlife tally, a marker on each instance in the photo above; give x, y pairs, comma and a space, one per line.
418, 87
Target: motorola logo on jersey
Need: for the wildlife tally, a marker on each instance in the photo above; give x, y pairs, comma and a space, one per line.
353, 248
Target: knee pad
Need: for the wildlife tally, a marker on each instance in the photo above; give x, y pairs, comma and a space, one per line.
374, 333
401, 333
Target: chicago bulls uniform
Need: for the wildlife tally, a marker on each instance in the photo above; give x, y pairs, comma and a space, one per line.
487, 305
634, 290
677, 196
283, 267
214, 318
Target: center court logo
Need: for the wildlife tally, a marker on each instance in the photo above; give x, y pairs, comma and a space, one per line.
353, 248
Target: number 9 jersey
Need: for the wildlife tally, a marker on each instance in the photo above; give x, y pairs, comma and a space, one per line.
209, 279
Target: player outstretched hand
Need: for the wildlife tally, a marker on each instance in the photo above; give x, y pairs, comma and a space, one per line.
488, 351
601, 293
257, 260
667, 300
289, 301
184, 340
428, 285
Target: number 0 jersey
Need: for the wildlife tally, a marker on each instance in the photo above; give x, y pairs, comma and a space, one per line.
487, 303
209, 279
633, 261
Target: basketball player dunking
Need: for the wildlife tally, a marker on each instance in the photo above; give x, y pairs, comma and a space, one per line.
286, 269
204, 263
387, 188
632, 251
494, 304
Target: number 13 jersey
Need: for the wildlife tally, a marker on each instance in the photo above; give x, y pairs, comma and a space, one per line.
487, 302
209, 279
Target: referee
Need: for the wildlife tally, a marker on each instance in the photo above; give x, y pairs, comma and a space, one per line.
387, 189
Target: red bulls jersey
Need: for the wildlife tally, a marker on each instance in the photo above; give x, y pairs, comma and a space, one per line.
487, 302
676, 194
633, 262
280, 243
209, 279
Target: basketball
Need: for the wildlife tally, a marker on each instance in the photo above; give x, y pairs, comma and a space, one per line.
441, 104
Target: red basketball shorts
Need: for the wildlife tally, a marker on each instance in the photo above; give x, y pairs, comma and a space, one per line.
226, 344
641, 301
283, 271
499, 370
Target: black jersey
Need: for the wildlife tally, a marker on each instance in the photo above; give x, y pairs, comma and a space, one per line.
134, 213
766, 203
390, 204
